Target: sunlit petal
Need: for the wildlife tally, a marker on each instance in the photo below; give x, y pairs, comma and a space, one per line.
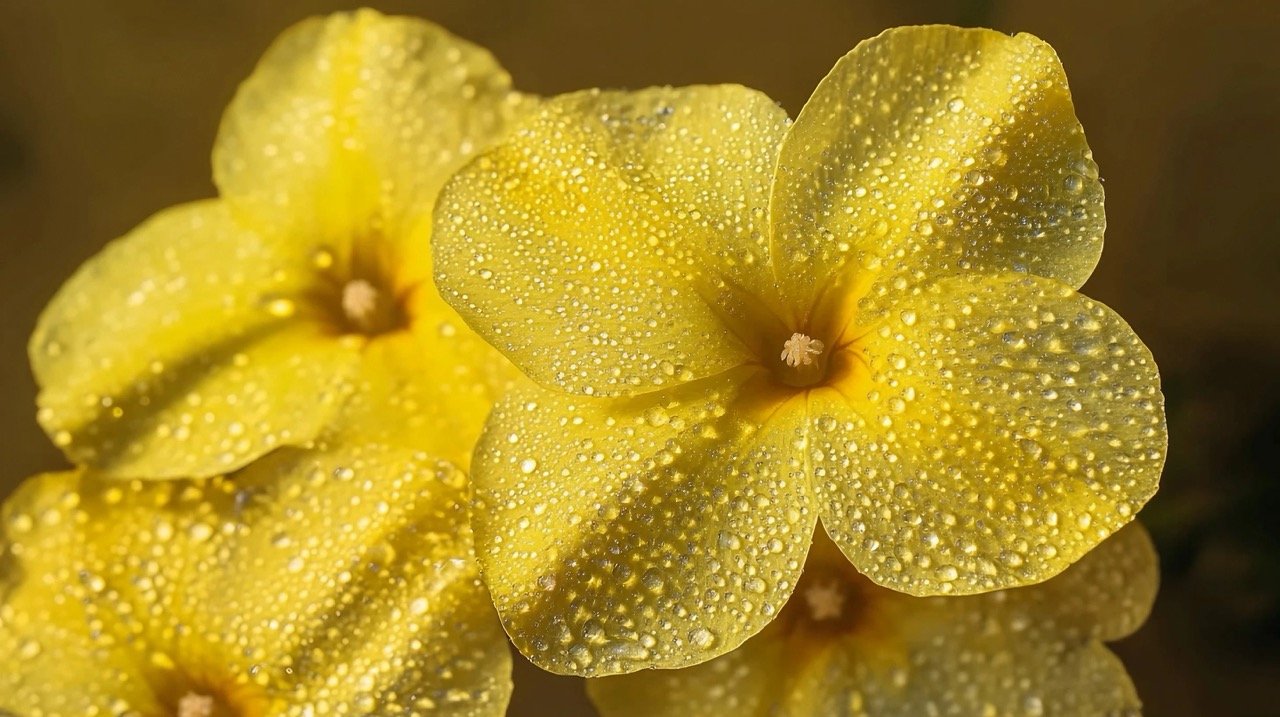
609, 247
990, 432
660, 530
932, 150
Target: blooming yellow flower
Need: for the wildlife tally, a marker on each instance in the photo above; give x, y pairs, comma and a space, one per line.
843, 646
300, 302
741, 325
334, 582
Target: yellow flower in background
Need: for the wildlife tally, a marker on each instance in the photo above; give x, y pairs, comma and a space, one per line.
300, 302
843, 646
332, 582
741, 325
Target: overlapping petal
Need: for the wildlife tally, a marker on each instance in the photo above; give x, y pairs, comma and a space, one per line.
993, 430
657, 530
174, 351
1009, 652
605, 244
349, 126
341, 579
933, 150
429, 388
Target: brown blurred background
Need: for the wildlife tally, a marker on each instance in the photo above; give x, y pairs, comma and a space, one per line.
108, 111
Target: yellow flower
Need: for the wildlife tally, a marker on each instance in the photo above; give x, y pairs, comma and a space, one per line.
332, 582
843, 646
741, 325
300, 302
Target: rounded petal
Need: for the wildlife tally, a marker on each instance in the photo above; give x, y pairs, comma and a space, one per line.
48, 660
653, 531
308, 578
958, 664
610, 245
430, 389
995, 430
1106, 595
177, 351
747, 682
350, 124
1002, 653
932, 150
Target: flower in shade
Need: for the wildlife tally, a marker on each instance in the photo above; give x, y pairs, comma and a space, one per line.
338, 581
299, 303
738, 325
844, 646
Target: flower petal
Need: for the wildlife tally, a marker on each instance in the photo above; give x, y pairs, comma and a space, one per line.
1106, 595
653, 531
177, 351
47, 658
931, 150
1007, 652
964, 663
430, 389
750, 681
308, 578
996, 430
604, 246
350, 124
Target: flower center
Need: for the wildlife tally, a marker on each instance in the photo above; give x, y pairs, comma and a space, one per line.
369, 309
803, 361
359, 302
194, 704
800, 350
825, 601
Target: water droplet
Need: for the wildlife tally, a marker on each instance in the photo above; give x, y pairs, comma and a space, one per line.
702, 637
200, 532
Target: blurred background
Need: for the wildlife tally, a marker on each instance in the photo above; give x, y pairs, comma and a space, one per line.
108, 112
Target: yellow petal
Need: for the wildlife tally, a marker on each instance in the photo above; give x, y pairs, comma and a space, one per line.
1005, 653
178, 351
42, 630
605, 245
960, 663
1106, 595
430, 389
995, 430
340, 579
932, 150
748, 682
350, 124
653, 531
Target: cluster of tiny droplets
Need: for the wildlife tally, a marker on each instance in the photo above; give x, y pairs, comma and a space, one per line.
744, 526
582, 292
1024, 653
320, 579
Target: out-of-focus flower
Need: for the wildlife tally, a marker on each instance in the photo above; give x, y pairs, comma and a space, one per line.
740, 325
334, 582
300, 302
844, 646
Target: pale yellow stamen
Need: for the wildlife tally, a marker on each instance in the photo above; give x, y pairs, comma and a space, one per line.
194, 705
359, 301
826, 601
799, 350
